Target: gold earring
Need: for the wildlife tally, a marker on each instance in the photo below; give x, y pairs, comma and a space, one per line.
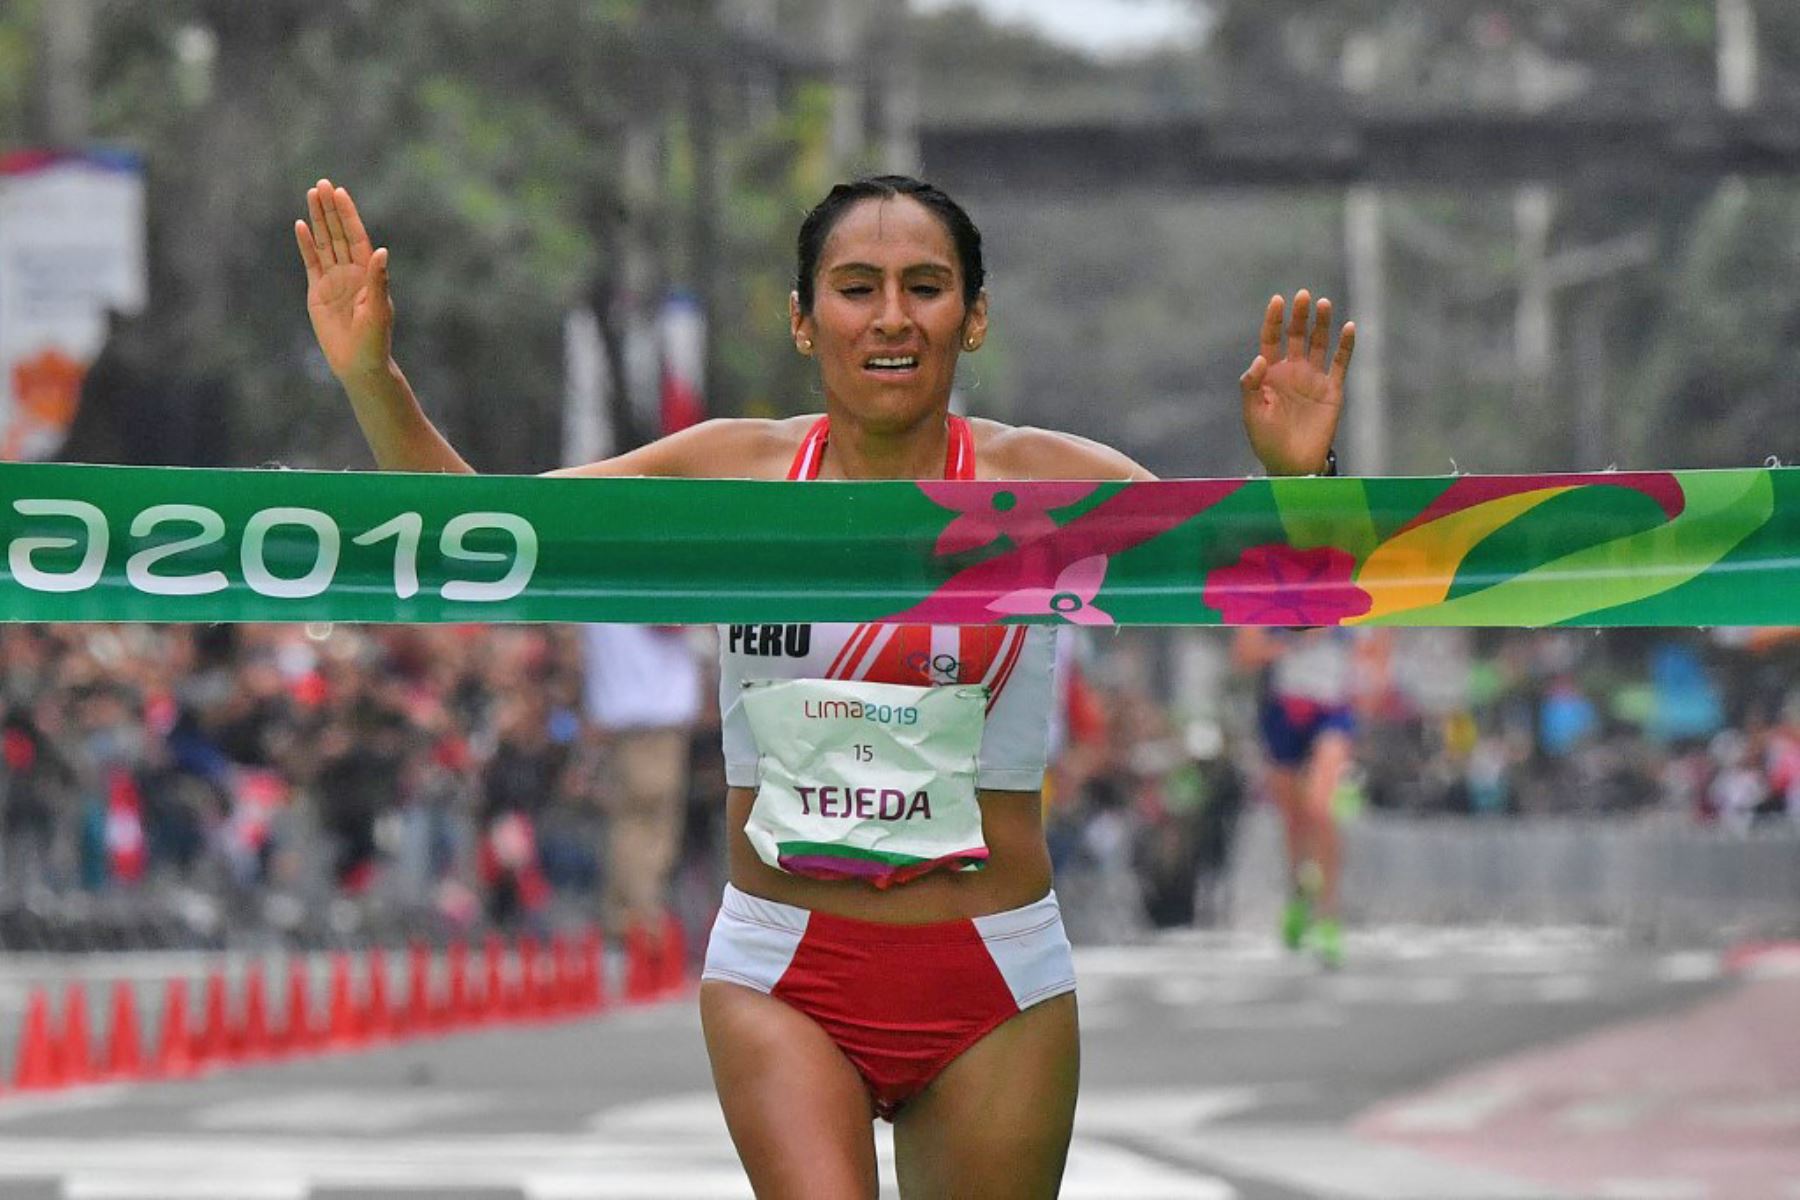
969, 343
805, 345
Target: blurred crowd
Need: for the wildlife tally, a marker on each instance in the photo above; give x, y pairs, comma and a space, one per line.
320, 781
315, 780
1161, 752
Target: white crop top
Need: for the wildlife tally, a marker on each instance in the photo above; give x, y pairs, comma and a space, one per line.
1014, 661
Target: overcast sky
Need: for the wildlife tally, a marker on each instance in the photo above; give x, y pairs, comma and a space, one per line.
1107, 28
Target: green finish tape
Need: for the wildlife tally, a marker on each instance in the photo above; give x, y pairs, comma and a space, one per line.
89, 543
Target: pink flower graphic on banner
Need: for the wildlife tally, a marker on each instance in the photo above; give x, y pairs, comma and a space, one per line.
1072, 597
1276, 584
1004, 509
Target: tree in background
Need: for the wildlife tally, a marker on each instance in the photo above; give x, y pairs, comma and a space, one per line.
1659, 357
1122, 315
522, 159
488, 142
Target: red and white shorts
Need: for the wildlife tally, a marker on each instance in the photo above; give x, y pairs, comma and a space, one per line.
901, 1001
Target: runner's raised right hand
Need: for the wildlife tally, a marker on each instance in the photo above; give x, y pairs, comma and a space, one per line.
346, 285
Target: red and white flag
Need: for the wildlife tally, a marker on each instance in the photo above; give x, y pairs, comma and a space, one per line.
681, 330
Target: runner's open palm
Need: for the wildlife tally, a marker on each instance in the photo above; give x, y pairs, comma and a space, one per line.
1292, 396
346, 284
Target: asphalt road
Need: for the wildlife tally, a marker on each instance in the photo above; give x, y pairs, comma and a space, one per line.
1451, 1065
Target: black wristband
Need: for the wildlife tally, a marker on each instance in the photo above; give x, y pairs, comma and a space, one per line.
1330, 463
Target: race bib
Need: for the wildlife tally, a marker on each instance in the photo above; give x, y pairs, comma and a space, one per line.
866, 781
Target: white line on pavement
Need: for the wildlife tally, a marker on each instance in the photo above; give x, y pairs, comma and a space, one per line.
1456, 1111
1327, 1162
87, 1186
546, 1168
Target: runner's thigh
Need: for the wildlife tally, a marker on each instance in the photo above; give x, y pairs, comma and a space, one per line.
796, 1108
996, 1123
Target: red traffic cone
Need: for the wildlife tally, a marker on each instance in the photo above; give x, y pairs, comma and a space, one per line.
524, 999
378, 1015
40, 1067
344, 1026
254, 1041
415, 1016
298, 1035
563, 988
175, 1052
593, 972
74, 1050
215, 1043
124, 1046
459, 1005
494, 1003
642, 978
672, 956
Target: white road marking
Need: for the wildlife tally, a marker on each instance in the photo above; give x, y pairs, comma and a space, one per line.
1689, 966
88, 1186
1378, 989
1329, 1163
674, 1148
1307, 1014
695, 1115
1454, 1111
1097, 1171
358, 1111
1153, 1111
1185, 991
34, 1104
689, 1124
694, 1185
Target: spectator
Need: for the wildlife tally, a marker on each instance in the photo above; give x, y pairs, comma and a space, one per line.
642, 698
524, 777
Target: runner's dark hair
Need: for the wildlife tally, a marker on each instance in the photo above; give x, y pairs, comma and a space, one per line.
828, 212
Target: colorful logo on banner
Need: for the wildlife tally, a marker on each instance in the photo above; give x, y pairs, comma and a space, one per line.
1625, 548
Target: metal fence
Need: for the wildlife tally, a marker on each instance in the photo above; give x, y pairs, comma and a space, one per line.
1663, 880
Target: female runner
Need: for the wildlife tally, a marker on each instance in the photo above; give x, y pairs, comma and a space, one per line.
1306, 722
842, 982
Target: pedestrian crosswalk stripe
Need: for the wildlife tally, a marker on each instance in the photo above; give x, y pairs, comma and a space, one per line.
539, 1167
90, 1186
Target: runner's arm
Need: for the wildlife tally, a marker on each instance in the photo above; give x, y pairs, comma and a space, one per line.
723, 447
352, 314
1026, 453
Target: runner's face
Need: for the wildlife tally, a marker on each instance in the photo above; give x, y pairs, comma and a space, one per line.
888, 317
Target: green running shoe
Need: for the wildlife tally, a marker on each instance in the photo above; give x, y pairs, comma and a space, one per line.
1295, 919
1327, 937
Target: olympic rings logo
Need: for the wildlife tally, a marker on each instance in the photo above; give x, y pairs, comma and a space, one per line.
941, 666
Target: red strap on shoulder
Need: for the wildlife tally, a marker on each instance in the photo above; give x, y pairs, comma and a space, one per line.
812, 451
959, 458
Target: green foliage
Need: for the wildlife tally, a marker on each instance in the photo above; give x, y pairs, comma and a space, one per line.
1719, 377
18, 37
1117, 313
483, 141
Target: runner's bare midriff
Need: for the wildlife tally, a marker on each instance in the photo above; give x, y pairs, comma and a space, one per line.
1017, 871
